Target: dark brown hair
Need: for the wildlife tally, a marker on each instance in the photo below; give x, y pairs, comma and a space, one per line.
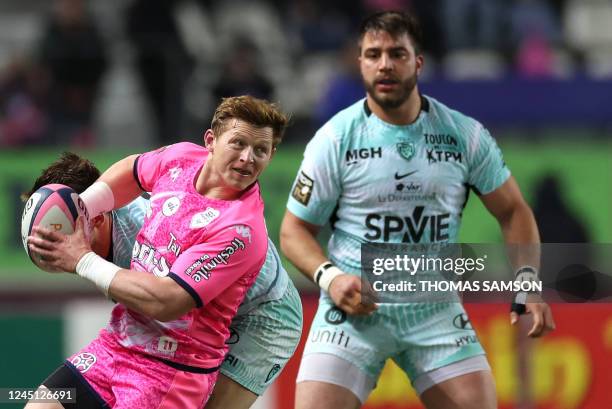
395, 23
70, 170
257, 112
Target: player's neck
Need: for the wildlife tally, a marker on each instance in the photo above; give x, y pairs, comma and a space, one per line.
405, 114
210, 184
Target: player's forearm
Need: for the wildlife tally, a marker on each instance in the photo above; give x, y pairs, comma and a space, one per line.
149, 295
302, 249
520, 232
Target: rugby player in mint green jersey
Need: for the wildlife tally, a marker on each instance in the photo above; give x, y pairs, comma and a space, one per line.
396, 167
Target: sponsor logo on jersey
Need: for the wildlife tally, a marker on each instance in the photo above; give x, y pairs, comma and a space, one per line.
354, 155
233, 338
273, 372
171, 206
335, 316
231, 360
84, 361
414, 228
204, 218
409, 187
462, 321
399, 176
406, 149
411, 192
173, 245
244, 231
167, 345
83, 208
175, 172
405, 190
202, 268
439, 155
327, 336
466, 340
440, 139
150, 259
303, 188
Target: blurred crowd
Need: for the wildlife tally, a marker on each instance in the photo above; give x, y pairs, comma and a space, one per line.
170, 61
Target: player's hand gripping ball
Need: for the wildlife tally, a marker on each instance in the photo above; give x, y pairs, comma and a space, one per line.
55, 207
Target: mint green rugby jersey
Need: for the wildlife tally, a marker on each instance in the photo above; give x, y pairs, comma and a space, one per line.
127, 222
378, 182
270, 284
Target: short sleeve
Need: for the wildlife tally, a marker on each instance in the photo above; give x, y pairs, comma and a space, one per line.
150, 166
316, 189
487, 169
207, 269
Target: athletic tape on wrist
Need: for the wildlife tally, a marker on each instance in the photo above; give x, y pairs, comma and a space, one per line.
525, 273
97, 270
98, 199
325, 273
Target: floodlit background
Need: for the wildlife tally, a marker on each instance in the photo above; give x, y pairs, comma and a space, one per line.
110, 78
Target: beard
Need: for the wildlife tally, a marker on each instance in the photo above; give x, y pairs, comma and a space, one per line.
391, 100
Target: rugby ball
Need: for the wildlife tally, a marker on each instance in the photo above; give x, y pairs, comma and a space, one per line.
55, 207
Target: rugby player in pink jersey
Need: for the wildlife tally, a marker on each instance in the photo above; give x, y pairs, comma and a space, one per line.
199, 250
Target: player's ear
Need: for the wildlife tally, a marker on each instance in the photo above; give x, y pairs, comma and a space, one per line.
209, 139
420, 61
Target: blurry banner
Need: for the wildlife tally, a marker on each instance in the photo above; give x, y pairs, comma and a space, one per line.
487, 273
528, 102
567, 369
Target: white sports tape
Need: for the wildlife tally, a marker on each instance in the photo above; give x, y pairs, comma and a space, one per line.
98, 199
97, 270
325, 273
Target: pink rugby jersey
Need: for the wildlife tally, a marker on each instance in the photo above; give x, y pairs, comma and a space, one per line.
212, 248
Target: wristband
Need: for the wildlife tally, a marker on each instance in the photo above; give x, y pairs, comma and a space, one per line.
97, 270
98, 199
525, 273
325, 273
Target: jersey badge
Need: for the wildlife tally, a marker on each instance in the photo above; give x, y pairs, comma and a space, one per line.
303, 188
406, 150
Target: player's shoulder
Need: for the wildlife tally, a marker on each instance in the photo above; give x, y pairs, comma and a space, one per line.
343, 124
134, 210
451, 120
180, 151
185, 150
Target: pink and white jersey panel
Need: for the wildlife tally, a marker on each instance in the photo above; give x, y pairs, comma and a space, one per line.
213, 248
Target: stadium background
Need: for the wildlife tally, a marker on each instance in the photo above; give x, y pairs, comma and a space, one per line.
542, 87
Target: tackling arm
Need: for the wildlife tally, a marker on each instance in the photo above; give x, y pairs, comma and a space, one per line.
114, 189
120, 178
